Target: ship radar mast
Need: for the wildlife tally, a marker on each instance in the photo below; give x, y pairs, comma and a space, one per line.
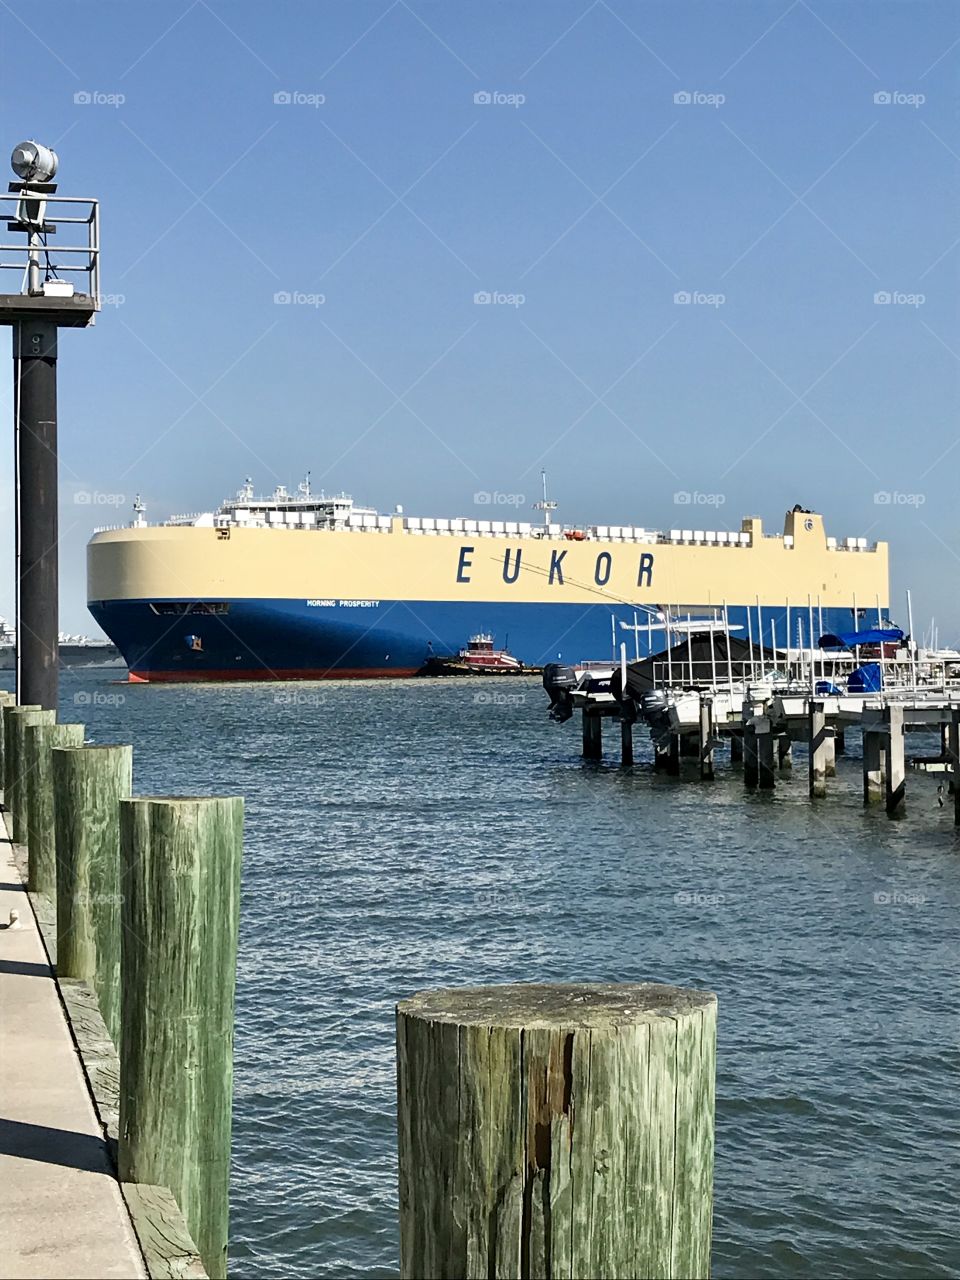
139, 520
245, 492
544, 505
304, 485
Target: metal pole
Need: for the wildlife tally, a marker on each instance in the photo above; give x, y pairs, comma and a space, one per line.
726, 636
35, 380
913, 643
760, 638
813, 676
750, 642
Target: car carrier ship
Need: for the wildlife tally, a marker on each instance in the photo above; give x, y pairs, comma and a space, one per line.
306, 586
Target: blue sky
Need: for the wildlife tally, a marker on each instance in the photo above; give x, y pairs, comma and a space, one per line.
383, 196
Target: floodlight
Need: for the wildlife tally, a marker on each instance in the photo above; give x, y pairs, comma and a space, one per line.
32, 162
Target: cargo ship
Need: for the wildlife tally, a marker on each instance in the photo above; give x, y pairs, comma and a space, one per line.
304, 586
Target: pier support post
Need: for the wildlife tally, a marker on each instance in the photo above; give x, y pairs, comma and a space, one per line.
872, 758
736, 748
839, 741
953, 748
592, 735
896, 786
88, 785
626, 741
6, 700
766, 773
830, 751
556, 1131
39, 741
673, 756
784, 752
181, 906
706, 738
817, 737
661, 758
15, 721
751, 756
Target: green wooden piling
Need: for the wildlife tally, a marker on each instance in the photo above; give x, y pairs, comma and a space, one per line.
39, 741
7, 699
556, 1131
181, 902
88, 785
15, 721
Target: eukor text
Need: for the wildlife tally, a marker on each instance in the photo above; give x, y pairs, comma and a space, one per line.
592, 571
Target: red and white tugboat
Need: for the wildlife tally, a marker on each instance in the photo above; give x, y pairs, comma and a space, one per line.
480, 656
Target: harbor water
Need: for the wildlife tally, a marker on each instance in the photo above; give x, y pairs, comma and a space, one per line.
402, 835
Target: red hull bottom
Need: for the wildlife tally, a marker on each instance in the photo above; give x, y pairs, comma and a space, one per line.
259, 673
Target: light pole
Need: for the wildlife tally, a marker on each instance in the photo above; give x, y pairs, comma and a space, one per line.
45, 304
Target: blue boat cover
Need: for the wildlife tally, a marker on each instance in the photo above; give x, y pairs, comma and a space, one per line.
867, 678
850, 639
827, 687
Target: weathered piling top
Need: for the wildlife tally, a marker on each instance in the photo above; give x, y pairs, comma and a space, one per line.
579, 1005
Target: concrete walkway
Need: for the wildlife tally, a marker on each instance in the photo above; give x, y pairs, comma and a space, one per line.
61, 1212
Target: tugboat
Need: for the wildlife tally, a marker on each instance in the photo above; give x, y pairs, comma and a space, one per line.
479, 658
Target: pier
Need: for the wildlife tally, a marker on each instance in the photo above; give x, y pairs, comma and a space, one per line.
759, 721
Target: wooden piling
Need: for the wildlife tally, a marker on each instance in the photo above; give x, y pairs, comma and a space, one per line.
706, 739
817, 737
556, 1131
592, 735
626, 741
896, 768
15, 722
830, 751
181, 904
751, 758
88, 785
766, 772
839, 741
872, 733
736, 748
7, 699
953, 747
39, 741
784, 752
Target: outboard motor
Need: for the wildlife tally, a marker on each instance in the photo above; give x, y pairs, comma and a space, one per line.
559, 681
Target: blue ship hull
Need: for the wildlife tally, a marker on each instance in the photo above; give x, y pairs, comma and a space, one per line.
295, 640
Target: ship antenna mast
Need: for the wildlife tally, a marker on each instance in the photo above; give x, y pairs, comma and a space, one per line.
544, 505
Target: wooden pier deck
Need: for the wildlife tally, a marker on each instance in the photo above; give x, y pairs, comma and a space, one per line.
63, 1214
